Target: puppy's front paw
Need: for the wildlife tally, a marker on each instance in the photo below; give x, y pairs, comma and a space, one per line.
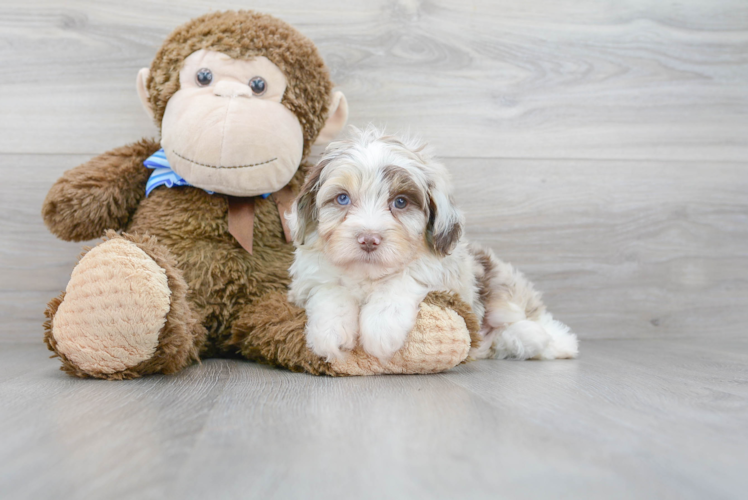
384, 327
329, 337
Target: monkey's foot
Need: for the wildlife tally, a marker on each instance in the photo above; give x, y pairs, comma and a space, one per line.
124, 313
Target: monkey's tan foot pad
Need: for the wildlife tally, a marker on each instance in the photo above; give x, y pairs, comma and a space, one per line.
114, 307
439, 341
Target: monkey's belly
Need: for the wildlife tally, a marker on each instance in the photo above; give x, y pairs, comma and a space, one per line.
222, 277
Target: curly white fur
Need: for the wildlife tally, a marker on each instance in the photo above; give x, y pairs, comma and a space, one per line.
376, 230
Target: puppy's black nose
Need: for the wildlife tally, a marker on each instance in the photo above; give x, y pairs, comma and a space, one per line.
369, 241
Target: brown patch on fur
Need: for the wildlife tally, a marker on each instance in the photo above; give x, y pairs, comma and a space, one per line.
401, 183
495, 285
306, 202
441, 243
243, 35
483, 258
180, 339
101, 194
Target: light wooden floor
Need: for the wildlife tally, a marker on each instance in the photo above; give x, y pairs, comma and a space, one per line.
602, 147
629, 419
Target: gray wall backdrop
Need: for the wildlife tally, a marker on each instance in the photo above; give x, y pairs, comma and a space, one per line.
601, 146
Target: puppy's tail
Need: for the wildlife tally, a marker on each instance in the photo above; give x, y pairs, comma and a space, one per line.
516, 323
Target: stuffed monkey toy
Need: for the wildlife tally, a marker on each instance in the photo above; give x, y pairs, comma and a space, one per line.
195, 257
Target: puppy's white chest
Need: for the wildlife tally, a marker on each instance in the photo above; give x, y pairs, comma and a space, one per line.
359, 288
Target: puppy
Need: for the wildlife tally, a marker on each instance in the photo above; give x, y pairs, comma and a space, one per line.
375, 230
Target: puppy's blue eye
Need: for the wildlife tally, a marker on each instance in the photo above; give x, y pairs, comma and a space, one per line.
343, 199
400, 202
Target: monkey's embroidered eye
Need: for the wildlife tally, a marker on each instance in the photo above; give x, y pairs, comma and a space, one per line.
400, 202
343, 199
203, 77
258, 85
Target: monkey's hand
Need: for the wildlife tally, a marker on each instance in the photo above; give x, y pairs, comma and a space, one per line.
101, 194
444, 332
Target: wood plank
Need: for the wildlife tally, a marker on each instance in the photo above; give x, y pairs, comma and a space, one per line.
629, 419
639, 401
534, 79
94, 439
21, 358
378, 437
620, 248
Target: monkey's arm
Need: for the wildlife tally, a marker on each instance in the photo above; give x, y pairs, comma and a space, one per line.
272, 331
101, 194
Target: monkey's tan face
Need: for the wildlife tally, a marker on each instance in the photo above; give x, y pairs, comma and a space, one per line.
226, 129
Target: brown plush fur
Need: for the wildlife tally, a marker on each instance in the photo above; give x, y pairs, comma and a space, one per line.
101, 194
222, 277
49, 339
180, 339
273, 332
243, 35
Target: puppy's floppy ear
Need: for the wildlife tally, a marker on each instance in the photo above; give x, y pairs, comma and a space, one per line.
444, 228
303, 217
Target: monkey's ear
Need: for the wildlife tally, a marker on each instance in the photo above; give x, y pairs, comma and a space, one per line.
336, 118
141, 84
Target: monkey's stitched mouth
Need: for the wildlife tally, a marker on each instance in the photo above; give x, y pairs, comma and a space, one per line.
217, 166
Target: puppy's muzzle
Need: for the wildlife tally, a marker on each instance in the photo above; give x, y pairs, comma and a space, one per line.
369, 241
